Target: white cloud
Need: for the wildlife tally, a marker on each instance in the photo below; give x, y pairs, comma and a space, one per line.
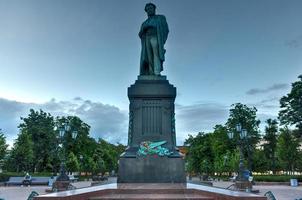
275, 87
111, 123
106, 121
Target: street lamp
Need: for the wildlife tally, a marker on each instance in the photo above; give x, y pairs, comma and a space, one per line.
63, 177
225, 158
242, 135
81, 159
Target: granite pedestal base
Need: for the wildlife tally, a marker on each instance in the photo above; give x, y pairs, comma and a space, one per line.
61, 185
151, 169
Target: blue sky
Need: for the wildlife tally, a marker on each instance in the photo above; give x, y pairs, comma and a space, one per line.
79, 57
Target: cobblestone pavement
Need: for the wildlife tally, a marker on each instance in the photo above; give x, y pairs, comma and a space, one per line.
19, 193
280, 191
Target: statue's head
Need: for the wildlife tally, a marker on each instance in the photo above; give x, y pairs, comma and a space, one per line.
150, 9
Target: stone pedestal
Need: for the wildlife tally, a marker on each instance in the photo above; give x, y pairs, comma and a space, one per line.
151, 118
61, 185
243, 185
151, 111
151, 169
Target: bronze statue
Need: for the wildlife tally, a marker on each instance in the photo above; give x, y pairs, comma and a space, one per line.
153, 33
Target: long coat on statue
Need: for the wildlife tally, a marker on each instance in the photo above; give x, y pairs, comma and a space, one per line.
162, 30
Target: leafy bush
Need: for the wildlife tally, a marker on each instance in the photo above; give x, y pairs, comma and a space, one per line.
276, 178
5, 176
266, 178
221, 177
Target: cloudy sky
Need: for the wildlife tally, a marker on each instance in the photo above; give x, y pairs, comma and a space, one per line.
77, 57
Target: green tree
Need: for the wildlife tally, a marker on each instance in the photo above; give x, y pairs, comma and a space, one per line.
291, 107
90, 165
22, 155
299, 161
261, 163
98, 158
3, 146
220, 142
270, 137
72, 163
39, 126
233, 160
246, 116
287, 150
120, 148
106, 155
221, 148
200, 157
111, 156
83, 144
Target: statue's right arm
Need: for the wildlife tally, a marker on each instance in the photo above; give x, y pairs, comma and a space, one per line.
142, 30
141, 33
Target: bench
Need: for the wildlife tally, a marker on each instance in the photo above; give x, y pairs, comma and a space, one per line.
14, 181
40, 180
33, 181
100, 178
72, 178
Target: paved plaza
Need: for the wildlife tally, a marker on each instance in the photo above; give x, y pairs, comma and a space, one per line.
280, 191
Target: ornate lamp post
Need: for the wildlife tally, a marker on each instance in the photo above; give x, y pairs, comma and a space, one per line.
62, 181
242, 182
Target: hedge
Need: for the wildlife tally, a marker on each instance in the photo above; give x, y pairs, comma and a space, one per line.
277, 178
267, 178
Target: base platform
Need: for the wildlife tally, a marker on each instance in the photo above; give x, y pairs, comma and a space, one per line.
150, 191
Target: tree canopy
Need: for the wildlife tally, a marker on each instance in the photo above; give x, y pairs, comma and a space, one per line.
291, 106
3, 147
247, 117
214, 152
270, 138
39, 128
37, 148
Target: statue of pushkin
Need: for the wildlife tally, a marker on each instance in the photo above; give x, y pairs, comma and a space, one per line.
153, 33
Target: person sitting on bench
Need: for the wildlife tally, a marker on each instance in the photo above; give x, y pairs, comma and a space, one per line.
27, 179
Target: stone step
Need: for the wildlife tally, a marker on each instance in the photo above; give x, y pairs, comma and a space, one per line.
152, 197
155, 191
